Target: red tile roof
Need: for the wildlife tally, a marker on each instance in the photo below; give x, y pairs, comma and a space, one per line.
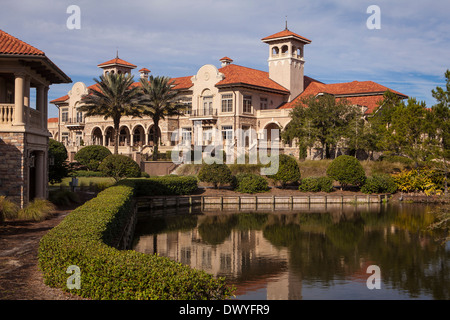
12, 45
235, 74
144, 70
366, 93
52, 120
226, 59
182, 83
116, 61
286, 34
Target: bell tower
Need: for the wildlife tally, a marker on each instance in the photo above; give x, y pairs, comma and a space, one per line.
286, 60
116, 65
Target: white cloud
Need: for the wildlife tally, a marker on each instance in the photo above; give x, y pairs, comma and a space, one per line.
176, 37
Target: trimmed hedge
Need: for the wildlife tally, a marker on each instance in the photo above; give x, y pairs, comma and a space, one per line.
347, 170
216, 173
163, 186
251, 183
379, 183
316, 184
85, 238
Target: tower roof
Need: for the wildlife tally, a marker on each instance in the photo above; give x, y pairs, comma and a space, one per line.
116, 62
286, 34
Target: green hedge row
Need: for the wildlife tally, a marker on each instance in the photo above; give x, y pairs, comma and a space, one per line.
85, 238
163, 186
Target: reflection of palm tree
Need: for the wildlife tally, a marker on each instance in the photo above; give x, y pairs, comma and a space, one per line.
114, 96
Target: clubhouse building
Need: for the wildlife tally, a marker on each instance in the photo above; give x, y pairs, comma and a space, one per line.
219, 100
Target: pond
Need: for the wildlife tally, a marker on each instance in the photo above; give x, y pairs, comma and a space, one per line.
315, 253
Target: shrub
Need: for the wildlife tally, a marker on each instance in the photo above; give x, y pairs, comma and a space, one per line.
288, 170
85, 238
57, 169
119, 166
166, 185
347, 170
316, 184
86, 173
251, 183
379, 183
37, 210
92, 156
217, 174
421, 179
8, 209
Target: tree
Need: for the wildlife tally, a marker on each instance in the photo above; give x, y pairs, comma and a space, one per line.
159, 100
92, 156
113, 97
119, 166
57, 154
439, 129
322, 119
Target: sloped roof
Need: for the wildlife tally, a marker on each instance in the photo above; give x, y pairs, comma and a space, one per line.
239, 75
364, 93
12, 45
286, 33
116, 61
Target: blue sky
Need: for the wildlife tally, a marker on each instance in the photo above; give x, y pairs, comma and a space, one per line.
410, 53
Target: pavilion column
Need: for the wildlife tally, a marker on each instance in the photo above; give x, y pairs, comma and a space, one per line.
40, 101
40, 174
19, 83
26, 99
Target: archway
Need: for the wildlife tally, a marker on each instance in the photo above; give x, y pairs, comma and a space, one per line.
124, 136
97, 136
109, 137
138, 136
151, 135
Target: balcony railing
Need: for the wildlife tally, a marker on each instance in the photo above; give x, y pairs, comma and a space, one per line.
6, 113
207, 112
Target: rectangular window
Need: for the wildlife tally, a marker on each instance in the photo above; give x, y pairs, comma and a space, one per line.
207, 135
64, 115
227, 103
187, 102
186, 136
227, 133
79, 116
247, 106
65, 138
263, 103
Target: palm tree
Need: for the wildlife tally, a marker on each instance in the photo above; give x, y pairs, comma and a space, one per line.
114, 96
159, 101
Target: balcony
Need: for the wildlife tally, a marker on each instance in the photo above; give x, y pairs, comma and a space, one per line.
204, 114
6, 114
75, 124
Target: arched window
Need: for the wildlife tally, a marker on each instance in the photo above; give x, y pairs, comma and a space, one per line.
284, 49
275, 51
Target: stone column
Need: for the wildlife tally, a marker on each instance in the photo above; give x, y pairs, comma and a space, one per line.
40, 101
41, 172
19, 82
26, 99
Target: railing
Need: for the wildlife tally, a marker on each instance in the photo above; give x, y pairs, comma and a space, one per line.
35, 118
6, 113
204, 112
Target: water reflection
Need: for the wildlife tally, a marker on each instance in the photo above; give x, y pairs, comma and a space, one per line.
308, 254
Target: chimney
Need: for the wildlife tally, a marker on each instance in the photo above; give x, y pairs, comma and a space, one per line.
144, 73
226, 61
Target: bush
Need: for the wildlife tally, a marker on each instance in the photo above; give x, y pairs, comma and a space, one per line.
92, 156
166, 185
119, 166
251, 183
37, 210
86, 173
379, 183
85, 238
217, 174
421, 179
288, 170
316, 184
57, 169
8, 209
347, 170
